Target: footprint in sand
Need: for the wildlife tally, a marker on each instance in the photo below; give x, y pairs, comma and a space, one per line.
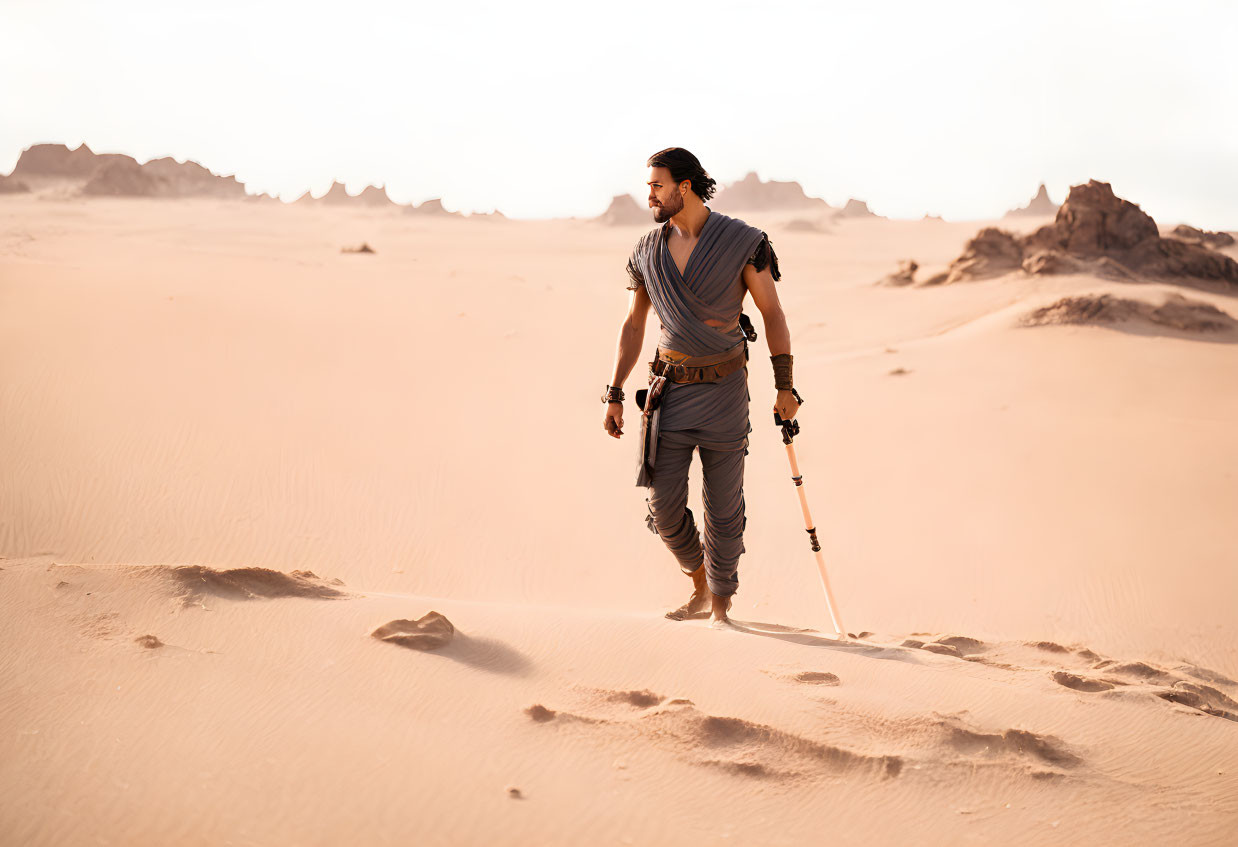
1202, 697
1080, 683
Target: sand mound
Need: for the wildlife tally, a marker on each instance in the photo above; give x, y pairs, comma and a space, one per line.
1177, 312
737, 745
194, 581
624, 211
364, 248
428, 632
1038, 206
1017, 742
8, 185
1191, 235
1094, 232
750, 193
805, 225
126, 178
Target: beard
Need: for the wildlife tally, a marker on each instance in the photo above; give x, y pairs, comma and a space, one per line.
662, 214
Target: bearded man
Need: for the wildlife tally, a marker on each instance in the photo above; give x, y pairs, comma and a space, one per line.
695, 270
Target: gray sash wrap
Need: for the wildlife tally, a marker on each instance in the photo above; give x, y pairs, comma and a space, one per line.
711, 288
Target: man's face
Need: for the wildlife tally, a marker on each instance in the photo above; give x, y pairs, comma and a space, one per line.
665, 197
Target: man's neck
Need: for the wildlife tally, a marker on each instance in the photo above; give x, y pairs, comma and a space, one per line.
690, 220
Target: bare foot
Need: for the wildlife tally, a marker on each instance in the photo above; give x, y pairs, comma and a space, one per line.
697, 603
721, 605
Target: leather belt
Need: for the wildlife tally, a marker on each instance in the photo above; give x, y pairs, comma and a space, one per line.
677, 367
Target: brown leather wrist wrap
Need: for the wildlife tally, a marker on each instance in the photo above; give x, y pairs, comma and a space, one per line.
782, 372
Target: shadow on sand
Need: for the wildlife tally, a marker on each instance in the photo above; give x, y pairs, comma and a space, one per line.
812, 638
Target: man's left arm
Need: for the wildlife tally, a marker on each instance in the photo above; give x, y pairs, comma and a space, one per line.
760, 285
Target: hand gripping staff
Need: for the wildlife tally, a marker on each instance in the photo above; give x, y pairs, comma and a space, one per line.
790, 429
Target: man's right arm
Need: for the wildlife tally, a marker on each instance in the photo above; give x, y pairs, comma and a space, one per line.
627, 353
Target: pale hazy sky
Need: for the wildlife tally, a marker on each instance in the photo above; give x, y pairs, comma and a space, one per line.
549, 108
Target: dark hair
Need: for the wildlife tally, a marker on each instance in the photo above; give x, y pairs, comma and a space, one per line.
683, 165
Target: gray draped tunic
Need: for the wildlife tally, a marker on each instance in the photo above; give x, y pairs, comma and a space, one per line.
711, 287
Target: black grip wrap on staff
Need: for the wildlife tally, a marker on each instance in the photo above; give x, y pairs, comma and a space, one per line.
812, 536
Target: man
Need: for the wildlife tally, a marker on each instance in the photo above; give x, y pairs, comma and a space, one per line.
695, 270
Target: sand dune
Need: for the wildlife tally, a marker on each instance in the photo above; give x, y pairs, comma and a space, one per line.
248, 478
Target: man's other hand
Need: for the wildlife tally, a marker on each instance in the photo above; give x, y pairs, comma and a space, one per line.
613, 422
786, 405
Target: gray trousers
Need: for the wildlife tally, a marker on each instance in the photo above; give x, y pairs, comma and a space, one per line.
722, 495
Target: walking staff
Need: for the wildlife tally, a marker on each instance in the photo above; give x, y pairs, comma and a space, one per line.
790, 429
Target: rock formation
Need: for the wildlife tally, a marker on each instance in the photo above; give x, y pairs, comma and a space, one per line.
57, 160
855, 209
432, 207
1191, 235
904, 276
1038, 206
374, 197
188, 178
750, 193
624, 211
118, 174
9, 185
125, 178
1094, 232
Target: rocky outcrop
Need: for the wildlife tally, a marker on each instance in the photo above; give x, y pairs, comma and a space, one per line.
750, 193
336, 196
991, 252
57, 160
855, 209
624, 211
9, 185
1038, 206
116, 174
904, 276
374, 197
1191, 235
189, 179
1094, 232
431, 208
125, 178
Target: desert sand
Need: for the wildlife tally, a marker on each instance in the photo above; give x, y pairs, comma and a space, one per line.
239, 464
